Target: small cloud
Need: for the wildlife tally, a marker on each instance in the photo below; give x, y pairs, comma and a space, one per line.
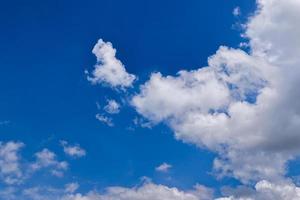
236, 11
109, 70
105, 120
47, 159
71, 187
74, 151
112, 107
165, 167
57, 173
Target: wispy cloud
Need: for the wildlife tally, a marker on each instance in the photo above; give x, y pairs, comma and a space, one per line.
74, 151
105, 120
164, 167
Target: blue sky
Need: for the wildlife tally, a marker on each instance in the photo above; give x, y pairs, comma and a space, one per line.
46, 97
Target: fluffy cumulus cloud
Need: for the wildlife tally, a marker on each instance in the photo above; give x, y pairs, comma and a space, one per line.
47, 159
243, 105
148, 191
10, 167
265, 190
109, 70
16, 170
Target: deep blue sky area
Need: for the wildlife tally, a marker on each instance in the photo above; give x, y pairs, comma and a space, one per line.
45, 46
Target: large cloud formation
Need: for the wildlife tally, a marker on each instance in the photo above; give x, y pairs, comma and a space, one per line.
244, 105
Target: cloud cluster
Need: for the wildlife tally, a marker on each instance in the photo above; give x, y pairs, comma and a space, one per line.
47, 159
243, 105
148, 191
109, 70
265, 190
16, 170
10, 168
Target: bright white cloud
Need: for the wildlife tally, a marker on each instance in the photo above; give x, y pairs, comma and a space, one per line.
74, 151
148, 191
47, 159
164, 167
10, 167
265, 190
240, 100
109, 70
112, 107
274, 33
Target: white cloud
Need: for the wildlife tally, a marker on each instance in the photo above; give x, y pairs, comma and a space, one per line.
240, 100
10, 169
105, 120
265, 190
47, 159
274, 32
213, 102
74, 151
109, 70
112, 107
164, 167
148, 191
